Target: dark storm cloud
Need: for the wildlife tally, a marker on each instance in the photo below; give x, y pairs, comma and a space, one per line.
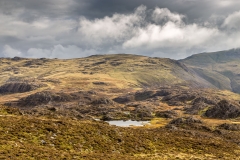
101, 8
194, 9
29, 10
76, 28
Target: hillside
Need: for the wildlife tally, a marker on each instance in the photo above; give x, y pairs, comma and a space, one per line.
113, 87
109, 73
221, 69
53, 108
129, 70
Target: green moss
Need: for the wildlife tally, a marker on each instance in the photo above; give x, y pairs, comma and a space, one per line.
202, 112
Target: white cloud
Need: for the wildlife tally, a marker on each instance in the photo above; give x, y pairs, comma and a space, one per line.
163, 15
148, 32
110, 30
165, 32
58, 51
38, 53
171, 35
226, 3
232, 21
8, 51
12, 26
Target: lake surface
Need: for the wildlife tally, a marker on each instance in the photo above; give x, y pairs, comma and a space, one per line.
128, 123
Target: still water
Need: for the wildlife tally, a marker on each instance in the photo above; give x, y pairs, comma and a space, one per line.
128, 123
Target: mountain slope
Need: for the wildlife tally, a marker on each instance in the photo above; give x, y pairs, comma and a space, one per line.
111, 71
222, 69
56, 108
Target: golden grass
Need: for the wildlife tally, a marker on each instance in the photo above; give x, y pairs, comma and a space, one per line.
26, 137
158, 122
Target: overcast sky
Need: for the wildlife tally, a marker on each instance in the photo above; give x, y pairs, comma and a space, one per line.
79, 28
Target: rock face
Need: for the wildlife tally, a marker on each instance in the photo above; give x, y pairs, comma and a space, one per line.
19, 87
224, 109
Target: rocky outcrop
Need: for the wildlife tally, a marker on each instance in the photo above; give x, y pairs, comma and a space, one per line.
102, 100
142, 113
100, 83
224, 109
179, 98
186, 123
19, 87
44, 97
185, 120
143, 95
124, 99
137, 96
200, 103
162, 92
231, 127
166, 114
107, 117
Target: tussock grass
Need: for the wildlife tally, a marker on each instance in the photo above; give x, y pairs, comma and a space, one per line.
26, 137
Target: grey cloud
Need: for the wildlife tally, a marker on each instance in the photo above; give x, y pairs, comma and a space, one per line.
29, 10
194, 9
76, 28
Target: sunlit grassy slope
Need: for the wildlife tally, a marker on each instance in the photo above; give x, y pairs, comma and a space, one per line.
119, 71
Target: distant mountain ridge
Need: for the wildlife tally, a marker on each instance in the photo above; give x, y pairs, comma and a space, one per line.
222, 69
